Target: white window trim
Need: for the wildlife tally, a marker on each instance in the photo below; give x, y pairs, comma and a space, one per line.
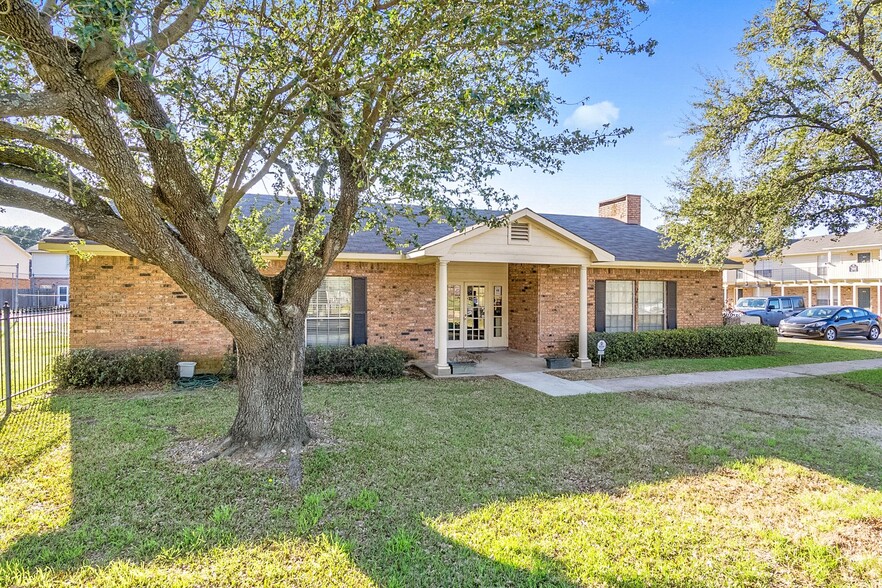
321, 318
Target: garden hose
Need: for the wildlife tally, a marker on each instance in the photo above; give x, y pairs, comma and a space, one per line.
201, 381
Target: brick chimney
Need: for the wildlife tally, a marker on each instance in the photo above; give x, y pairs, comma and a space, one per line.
624, 208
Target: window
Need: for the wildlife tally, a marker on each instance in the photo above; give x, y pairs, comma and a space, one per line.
774, 304
329, 319
454, 312
864, 257
764, 273
786, 304
844, 314
497, 311
650, 306
619, 306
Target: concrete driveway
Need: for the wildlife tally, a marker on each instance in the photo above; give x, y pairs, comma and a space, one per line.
848, 343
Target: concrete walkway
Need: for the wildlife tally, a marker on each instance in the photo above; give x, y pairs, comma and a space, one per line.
554, 386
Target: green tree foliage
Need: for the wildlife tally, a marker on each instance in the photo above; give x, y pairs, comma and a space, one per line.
144, 123
793, 140
23, 235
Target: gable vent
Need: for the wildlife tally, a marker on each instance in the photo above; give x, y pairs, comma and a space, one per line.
519, 232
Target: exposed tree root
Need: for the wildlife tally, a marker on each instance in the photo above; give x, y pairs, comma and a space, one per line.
262, 455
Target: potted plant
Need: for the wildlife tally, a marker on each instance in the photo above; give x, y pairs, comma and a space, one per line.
464, 363
558, 362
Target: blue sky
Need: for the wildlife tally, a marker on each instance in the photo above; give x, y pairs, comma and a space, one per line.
652, 94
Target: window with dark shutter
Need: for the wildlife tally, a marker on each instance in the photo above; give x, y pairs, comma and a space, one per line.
359, 311
600, 306
670, 305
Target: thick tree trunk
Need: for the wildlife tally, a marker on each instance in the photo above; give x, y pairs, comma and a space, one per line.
270, 378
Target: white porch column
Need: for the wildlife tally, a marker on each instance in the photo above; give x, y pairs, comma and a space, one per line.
583, 361
441, 367
854, 294
879, 299
808, 302
839, 295
782, 289
832, 301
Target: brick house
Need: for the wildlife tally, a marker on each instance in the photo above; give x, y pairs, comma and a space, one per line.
527, 286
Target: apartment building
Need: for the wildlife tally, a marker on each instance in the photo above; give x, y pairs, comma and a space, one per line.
825, 270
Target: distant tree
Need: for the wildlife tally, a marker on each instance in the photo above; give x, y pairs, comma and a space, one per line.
794, 140
358, 108
24, 236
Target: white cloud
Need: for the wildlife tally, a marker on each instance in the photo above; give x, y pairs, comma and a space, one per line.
593, 116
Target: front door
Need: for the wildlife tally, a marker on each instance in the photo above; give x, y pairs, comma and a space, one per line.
863, 298
474, 315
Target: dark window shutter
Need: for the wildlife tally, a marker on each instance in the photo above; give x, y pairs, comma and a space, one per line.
600, 306
670, 305
359, 311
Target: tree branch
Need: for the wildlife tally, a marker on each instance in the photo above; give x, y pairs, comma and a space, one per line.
172, 33
63, 148
37, 104
86, 223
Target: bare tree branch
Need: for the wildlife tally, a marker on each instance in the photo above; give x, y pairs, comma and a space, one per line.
172, 33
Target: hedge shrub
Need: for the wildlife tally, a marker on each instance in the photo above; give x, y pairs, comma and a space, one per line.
81, 368
728, 341
373, 361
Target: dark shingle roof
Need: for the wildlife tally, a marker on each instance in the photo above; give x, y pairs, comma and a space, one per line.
626, 242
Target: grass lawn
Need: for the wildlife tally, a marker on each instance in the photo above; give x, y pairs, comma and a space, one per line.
456, 483
785, 354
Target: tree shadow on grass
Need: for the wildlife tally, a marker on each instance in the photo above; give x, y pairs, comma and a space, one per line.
399, 498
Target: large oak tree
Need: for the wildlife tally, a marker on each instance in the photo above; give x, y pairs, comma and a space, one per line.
793, 139
144, 124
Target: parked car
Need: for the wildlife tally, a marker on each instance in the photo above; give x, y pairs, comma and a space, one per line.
832, 322
770, 309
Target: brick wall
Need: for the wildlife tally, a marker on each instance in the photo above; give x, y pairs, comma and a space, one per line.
699, 293
37, 282
624, 208
555, 307
118, 303
122, 303
523, 307
10, 283
559, 307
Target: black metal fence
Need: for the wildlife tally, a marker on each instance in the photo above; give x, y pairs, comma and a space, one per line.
30, 340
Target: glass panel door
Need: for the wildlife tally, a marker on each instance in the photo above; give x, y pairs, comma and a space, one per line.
475, 321
454, 312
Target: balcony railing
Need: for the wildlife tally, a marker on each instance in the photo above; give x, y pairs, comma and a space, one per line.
771, 276
839, 271
869, 270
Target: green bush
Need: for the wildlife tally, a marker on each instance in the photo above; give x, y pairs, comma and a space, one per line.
82, 368
373, 361
728, 341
